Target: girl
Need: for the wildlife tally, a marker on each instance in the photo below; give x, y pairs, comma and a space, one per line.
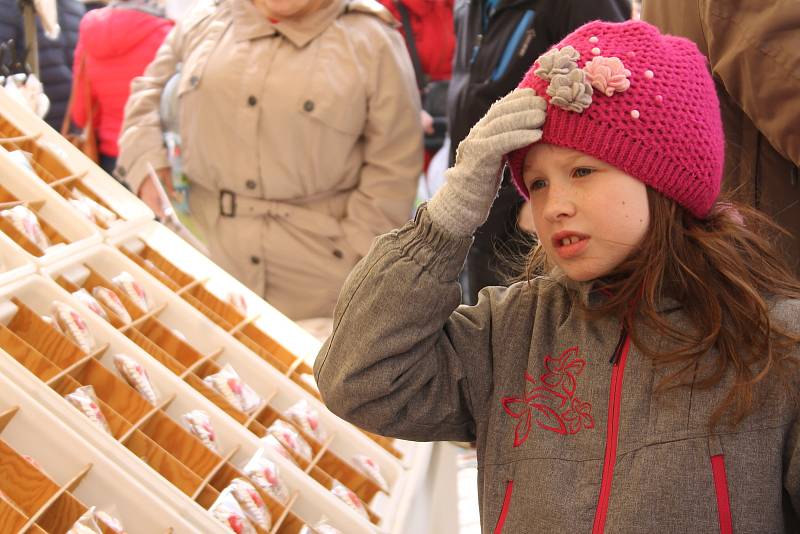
644, 381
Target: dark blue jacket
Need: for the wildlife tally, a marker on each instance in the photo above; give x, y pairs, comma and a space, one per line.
55, 57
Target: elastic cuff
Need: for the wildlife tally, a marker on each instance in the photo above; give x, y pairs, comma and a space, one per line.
441, 253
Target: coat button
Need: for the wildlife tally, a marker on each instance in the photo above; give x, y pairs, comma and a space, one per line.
308, 105
121, 171
255, 260
338, 253
252, 101
251, 184
193, 81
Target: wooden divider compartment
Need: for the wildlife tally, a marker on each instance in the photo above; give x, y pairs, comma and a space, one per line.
8, 200
30, 501
146, 430
191, 365
229, 318
48, 166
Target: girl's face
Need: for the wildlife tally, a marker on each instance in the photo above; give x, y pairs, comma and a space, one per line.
589, 215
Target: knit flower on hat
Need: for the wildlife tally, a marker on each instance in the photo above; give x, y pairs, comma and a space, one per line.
557, 61
608, 75
570, 91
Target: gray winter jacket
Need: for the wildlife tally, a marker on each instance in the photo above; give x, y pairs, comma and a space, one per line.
571, 436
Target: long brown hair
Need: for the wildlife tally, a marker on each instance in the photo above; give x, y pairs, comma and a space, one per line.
722, 270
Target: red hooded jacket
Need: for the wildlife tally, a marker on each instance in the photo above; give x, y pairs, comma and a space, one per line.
432, 24
118, 44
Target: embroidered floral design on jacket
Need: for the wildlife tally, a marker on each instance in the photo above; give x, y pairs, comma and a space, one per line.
551, 402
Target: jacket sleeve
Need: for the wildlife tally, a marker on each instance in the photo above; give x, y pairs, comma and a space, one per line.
78, 112
392, 146
404, 359
754, 52
141, 140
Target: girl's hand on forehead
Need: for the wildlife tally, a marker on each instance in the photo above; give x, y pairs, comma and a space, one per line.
513, 122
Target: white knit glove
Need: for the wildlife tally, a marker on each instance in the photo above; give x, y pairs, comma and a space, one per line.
463, 202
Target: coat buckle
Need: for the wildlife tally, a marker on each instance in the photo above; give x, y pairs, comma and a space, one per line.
227, 203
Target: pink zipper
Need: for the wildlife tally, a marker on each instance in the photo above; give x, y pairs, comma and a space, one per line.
612, 433
504, 512
723, 499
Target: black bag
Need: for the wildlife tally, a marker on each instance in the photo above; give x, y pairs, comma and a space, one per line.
432, 93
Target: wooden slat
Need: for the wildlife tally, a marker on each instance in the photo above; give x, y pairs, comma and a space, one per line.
155, 351
199, 363
69, 486
23, 483
7, 416
220, 465
163, 462
244, 322
155, 312
20, 138
57, 347
11, 517
180, 443
94, 355
278, 523
69, 179
191, 285
153, 411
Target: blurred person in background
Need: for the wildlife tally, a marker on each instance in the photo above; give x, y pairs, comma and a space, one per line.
496, 42
301, 138
55, 55
753, 47
430, 44
115, 44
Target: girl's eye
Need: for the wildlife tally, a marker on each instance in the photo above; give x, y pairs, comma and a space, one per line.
581, 172
535, 185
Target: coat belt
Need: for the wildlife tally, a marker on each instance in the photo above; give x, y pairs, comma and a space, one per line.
233, 205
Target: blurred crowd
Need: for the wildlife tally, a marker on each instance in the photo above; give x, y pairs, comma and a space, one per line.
291, 133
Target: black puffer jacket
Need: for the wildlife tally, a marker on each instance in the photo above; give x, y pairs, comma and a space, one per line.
55, 57
494, 49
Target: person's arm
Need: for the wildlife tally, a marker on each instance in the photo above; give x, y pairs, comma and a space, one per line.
141, 142
403, 359
755, 51
393, 153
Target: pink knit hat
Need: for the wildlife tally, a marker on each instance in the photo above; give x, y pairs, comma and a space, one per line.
639, 100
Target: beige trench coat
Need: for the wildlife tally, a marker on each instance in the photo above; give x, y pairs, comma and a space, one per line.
313, 126
754, 50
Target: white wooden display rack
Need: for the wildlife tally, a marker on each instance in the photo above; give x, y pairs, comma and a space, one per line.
67, 474
190, 294
39, 356
207, 348
14, 262
62, 167
66, 235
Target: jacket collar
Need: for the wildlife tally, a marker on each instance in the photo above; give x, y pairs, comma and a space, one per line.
249, 23
590, 293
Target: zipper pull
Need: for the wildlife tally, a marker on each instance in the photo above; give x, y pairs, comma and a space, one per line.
476, 48
621, 343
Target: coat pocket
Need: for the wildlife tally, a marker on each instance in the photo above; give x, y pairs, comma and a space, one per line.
506, 505
720, 478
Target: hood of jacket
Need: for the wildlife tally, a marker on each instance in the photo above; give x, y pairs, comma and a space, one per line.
113, 31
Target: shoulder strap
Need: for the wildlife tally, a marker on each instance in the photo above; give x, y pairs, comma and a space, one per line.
422, 79
83, 80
